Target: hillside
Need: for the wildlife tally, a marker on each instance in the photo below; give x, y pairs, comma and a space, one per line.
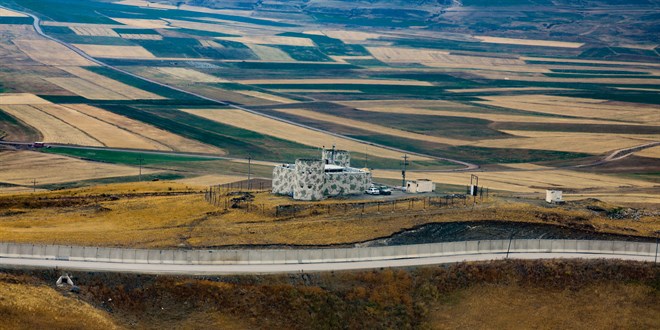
536, 294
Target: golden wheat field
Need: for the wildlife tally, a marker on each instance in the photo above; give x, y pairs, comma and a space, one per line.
22, 167
267, 53
282, 130
108, 134
127, 91
188, 75
21, 98
161, 139
53, 129
86, 89
51, 53
115, 51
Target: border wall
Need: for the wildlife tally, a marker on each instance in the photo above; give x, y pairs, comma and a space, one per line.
307, 256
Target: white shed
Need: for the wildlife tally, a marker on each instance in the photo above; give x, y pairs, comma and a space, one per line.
420, 186
553, 196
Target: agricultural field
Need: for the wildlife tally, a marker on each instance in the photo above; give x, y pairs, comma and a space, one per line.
451, 88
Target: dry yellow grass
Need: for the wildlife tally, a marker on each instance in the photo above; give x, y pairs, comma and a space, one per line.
524, 181
94, 31
597, 306
204, 181
529, 42
269, 97
167, 140
371, 127
53, 129
291, 132
86, 89
21, 98
650, 152
21, 167
108, 134
271, 40
28, 306
271, 54
189, 75
170, 221
617, 197
18, 190
51, 53
10, 13
115, 51
591, 143
578, 107
142, 23
349, 81
120, 88
141, 36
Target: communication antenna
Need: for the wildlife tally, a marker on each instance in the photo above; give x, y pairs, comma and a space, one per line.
403, 171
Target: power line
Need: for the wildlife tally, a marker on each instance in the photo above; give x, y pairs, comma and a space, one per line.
140, 159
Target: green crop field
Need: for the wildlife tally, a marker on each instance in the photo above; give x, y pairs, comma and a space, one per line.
123, 157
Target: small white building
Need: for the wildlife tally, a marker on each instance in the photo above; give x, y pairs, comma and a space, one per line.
420, 186
553, 196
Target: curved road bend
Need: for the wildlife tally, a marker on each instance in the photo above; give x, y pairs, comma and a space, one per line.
36, 23
297, 268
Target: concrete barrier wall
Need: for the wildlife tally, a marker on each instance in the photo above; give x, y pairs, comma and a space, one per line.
294, 256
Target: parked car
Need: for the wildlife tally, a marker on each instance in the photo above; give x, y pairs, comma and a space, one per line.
384, 190
373, 191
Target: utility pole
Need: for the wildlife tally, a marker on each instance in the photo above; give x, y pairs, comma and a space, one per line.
249, 158
403, 171
140, 159
34, 185
366, 156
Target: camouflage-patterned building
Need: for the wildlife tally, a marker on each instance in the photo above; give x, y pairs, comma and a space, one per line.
316, 179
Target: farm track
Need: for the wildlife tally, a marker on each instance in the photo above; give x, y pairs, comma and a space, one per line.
36, 24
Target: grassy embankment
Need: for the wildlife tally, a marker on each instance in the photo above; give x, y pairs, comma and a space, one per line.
506, 294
